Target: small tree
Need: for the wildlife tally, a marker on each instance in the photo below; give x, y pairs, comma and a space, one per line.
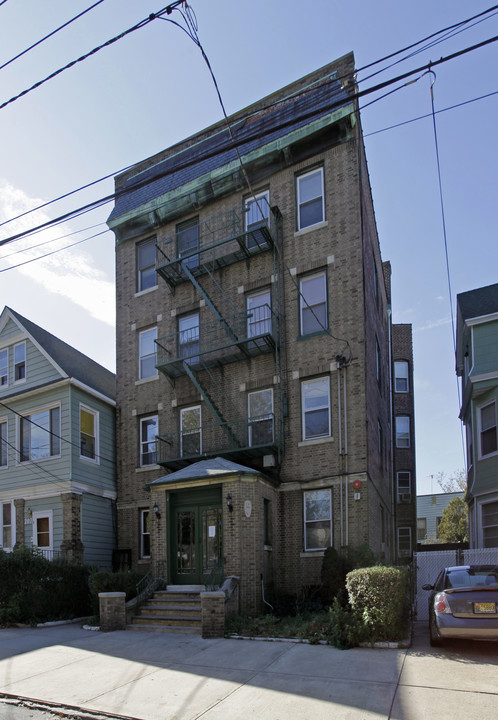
455, 482
454, 525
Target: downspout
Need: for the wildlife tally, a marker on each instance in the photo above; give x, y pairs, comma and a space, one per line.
344, 387
263, 593
393, 479
339, 412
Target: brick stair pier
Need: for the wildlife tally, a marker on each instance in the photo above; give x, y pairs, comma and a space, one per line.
172, 610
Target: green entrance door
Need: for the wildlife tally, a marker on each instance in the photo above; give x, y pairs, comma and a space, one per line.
195, 535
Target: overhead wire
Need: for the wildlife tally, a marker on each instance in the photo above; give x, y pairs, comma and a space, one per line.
168, 11
191, 23
445, 239
51, 433
361, 93
42, 40
54, 252
375, 132
137, 26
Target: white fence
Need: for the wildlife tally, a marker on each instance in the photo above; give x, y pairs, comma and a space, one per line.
429, 564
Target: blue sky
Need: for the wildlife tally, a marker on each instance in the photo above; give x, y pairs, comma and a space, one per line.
152, 88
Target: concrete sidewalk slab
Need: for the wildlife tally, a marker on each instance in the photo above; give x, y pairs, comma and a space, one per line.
155, 676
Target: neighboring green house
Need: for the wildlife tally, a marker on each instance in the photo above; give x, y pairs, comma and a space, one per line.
477, 365
57, 461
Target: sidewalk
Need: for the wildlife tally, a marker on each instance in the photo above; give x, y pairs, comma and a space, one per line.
153, 676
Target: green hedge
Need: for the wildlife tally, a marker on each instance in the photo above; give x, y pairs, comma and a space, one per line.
380, 597
113, 582
34, 589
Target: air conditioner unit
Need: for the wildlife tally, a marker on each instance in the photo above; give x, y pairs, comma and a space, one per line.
405, 497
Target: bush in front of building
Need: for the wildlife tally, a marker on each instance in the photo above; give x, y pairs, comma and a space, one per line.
36, 590
336, 566
101, 582
379, 597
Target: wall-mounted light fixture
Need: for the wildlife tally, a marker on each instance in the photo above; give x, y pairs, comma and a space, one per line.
229, 502
156, 510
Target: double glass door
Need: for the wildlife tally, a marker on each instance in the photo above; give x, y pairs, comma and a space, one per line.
196, 540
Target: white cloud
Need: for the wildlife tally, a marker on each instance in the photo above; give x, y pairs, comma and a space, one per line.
431, 324
73, 273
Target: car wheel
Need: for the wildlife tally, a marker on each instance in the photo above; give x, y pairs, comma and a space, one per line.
435, 638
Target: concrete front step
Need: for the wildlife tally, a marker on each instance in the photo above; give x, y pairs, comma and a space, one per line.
165, 628
170, 611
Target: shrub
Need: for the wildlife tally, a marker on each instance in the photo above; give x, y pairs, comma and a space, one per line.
34, 589
379, 595
346, 627
113, 582
335, 568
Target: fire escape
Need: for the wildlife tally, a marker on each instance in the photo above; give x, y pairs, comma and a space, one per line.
222, 333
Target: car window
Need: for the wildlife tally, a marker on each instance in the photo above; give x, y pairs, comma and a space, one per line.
457, 579
472, 578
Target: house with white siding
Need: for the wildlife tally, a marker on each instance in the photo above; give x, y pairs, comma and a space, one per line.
57, 439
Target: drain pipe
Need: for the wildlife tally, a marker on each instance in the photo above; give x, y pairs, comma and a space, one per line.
263, 593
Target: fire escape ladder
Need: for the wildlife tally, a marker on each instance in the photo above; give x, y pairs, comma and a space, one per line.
224, 324
211, 405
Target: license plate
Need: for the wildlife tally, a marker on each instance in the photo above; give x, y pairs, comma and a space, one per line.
485, 607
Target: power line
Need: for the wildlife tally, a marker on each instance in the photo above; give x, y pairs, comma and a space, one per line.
419, 42
180, 166
51, 433
39, 42
427, 115
54, 252
153, 16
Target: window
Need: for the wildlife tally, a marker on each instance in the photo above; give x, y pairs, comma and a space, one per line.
401, 376
147, 353
489, 515
39, 435
316, 408
317, 519
145, 533
148, 441
42, 533
310, 199
313, 303
190, 430
404, 542
404, 486
258, 308
7, 525
378, 364
260, 412
188, 337
89, 433
146, 264
257, 209
421, 529
3, 443
402, 431
187, 242
487, 418
20, 362
380, 442
375, 281
267, 521
4, 367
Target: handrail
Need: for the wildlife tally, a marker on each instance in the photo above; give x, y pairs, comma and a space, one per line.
150, 582
210, 438
216, 576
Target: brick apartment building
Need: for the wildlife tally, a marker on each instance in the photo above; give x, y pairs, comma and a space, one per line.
254, 348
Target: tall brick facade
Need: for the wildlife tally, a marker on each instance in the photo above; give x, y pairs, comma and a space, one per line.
267, 298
